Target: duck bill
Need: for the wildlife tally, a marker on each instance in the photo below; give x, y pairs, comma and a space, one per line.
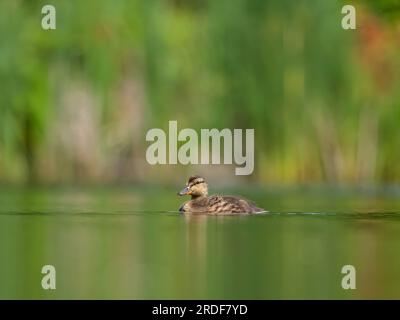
184, 191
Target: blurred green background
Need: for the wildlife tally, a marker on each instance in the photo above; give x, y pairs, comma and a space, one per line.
76, 102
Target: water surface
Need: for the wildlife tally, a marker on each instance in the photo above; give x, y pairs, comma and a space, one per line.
130, 243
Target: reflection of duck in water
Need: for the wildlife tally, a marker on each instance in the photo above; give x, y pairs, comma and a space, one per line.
201, 203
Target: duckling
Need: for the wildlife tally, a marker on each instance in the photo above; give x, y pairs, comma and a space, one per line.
197, 188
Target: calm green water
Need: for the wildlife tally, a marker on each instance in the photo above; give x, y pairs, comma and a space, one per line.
129, 243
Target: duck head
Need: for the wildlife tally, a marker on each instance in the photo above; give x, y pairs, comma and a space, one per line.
195, 187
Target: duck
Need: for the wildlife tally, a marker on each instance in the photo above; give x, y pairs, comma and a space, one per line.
200, 202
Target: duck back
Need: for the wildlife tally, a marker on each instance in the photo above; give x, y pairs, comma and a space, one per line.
217, 204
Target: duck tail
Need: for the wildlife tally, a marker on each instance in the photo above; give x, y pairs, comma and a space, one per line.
255, 209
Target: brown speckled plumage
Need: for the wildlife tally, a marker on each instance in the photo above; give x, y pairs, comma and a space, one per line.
201, 203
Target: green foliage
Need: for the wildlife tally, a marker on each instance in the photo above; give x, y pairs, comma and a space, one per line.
285, 68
